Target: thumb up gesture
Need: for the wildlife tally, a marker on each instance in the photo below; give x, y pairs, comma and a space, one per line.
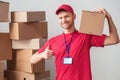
47, 54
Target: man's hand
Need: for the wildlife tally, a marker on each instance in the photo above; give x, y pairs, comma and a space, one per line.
103, 11
47, 54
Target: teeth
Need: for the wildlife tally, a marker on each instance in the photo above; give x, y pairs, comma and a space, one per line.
65, 24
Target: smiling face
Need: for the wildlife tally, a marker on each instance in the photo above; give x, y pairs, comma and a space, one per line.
66, 20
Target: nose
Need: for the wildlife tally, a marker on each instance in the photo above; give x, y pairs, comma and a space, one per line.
64, 20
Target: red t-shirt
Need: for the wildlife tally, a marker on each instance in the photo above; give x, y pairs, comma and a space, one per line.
80, 46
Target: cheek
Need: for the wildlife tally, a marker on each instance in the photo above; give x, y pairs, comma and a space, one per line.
60, 21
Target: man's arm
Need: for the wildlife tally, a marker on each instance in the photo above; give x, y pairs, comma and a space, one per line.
47, 54
113, 35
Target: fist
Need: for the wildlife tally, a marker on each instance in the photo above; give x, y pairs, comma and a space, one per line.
47, 54
103, 11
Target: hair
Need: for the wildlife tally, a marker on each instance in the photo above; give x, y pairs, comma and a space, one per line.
61, 10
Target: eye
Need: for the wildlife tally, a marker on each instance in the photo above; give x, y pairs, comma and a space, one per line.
66, 16
60, 17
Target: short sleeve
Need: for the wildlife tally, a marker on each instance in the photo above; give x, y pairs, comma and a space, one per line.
97, 41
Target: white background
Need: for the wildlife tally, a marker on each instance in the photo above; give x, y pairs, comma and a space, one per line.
105, 62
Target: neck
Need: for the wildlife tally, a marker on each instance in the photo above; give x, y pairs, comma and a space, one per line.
68, 31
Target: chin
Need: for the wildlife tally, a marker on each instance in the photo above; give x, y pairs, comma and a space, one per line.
65, 27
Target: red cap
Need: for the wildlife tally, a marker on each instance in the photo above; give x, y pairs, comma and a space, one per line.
65, 7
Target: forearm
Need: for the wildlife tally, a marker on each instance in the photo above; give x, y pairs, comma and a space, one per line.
36, 57
113, 35
47, 54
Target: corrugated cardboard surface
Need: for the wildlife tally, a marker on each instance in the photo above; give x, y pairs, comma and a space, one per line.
2, 75
28, 16
1, 70
28, 44
4, 11
5, 47
21, 62
92, 23
1, 66
32, 30
17, 75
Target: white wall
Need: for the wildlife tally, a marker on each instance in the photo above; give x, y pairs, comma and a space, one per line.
105, 61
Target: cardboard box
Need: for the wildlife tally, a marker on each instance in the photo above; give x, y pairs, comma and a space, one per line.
1, 66
92, 23
28, 16
21, 62
2, 75
28, 44
1, 70
4, 11
32, 30
5, 47
17, 75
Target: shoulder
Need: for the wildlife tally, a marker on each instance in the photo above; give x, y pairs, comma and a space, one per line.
91, 36
83, 34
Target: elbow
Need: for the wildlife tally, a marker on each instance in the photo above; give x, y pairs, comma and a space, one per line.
116, 41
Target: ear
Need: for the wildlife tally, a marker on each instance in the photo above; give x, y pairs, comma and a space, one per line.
74, 16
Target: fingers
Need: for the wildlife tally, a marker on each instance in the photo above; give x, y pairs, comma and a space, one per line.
48, 52
49, 55
104, 11
48, 47
97, 11
100, 10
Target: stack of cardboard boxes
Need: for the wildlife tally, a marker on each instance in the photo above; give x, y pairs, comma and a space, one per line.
28, 31
5, 42
1, 70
